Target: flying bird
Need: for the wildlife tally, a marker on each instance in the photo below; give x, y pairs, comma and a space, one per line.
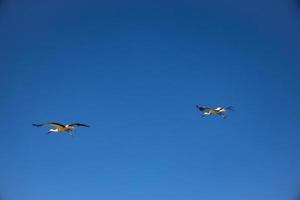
60, 128
214, 111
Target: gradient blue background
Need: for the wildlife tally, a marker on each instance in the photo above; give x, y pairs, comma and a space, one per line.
134, 71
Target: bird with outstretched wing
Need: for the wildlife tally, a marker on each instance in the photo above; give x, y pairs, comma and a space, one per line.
60, 128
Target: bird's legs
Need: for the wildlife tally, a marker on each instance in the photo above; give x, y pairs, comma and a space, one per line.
70, 133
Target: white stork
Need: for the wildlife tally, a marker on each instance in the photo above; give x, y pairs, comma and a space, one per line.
214, 111
59, 128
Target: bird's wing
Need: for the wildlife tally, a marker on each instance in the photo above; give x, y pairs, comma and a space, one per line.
218, 108
78, 124
55, 125
203, 108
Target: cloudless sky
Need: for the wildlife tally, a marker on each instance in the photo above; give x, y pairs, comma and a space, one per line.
134, 71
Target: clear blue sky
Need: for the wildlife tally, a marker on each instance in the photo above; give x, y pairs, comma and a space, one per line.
134, 71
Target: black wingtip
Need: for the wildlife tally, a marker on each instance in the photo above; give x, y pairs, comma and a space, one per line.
79, 124
84, 125
201, 108
37, 125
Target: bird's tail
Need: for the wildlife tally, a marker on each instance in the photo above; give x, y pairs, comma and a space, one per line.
71, 134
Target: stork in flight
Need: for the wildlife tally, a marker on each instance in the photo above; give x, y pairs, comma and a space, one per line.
59, 128
214, 111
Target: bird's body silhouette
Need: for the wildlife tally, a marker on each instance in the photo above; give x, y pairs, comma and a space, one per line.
60, 128
214, 111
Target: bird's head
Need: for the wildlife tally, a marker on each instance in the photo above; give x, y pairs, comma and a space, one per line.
51, 130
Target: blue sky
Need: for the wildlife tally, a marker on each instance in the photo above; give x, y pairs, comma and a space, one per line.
134, 71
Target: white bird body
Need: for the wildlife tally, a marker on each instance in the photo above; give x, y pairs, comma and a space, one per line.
59, 128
